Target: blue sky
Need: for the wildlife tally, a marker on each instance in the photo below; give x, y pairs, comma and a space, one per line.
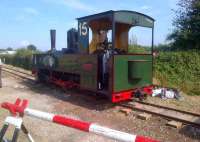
24, 22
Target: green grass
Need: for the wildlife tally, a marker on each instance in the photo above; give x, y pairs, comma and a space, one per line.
139, 49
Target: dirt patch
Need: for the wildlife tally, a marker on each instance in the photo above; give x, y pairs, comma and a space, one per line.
81, 105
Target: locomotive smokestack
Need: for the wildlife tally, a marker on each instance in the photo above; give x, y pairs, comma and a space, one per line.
53, 39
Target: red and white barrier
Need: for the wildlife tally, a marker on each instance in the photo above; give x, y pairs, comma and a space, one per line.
77, 124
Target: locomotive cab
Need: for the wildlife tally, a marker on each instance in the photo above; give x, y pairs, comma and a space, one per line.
119, 71
103, 63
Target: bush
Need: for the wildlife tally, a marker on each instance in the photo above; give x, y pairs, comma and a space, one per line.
22, 58
180, 70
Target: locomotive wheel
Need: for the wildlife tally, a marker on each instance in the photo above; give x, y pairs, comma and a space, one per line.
41, 77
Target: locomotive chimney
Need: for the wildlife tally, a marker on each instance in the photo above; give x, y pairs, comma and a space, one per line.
53, 39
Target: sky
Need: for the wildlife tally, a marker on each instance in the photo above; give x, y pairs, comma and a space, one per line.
24, 22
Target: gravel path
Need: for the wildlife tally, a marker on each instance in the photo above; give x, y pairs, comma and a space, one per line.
89, 108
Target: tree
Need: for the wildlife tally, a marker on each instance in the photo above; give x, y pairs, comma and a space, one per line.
186, 34
9, 49
32, 47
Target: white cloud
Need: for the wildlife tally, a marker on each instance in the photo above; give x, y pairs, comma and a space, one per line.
75, 4
73, 24
172, 4
145, 7
31, 11
20, 18
24, 43
26, 13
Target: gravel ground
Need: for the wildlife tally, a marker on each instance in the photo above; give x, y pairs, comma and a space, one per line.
187, 103
82, 106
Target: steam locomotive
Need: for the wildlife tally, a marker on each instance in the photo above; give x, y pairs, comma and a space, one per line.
101, 66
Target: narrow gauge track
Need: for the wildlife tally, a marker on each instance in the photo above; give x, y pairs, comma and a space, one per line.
12, 69
18, 73
166, 112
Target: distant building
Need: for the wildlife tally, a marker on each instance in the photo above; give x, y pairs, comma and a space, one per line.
4, 52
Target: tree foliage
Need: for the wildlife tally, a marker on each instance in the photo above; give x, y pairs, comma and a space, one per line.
32, 47
186, 34
22, 58
163, 47
9, 49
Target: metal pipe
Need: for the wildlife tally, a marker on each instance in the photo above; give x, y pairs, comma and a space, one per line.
53, 39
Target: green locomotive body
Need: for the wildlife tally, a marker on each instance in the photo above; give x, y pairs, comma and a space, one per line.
100, 66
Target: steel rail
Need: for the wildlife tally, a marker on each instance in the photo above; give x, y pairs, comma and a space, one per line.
9, 68
18, 75
169, 108
172, 117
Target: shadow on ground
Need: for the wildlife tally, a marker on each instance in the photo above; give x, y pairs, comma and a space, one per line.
191, 131
76, 97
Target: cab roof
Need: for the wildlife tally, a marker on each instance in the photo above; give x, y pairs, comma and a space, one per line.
122, 16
